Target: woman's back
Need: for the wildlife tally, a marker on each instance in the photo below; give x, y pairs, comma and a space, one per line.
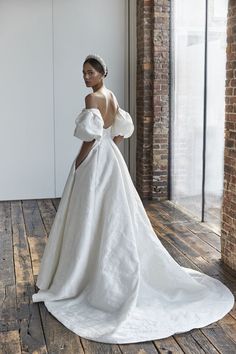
107, 104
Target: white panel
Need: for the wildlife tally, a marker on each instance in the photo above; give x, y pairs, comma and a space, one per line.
82, 27
43, 45
26, 107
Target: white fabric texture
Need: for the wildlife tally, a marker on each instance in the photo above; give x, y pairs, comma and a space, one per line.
104, 273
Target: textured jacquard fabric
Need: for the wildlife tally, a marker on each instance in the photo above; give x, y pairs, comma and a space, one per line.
123, 124
104, 273
89, 125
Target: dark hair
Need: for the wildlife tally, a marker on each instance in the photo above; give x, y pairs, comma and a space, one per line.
96, 65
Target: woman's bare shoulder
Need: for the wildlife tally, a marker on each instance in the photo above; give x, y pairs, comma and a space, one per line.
96, 99
91, 101
114, 97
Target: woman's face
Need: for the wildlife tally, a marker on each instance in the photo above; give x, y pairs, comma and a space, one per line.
91, 76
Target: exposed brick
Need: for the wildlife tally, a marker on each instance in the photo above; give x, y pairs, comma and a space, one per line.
153, 19
228, 225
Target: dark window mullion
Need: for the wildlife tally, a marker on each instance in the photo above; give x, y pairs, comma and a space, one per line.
204, 114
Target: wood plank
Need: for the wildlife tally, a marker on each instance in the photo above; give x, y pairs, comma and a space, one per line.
8, 325
59, 339
147, 347
10, 342
172, 214
198, 227
37, 246
203, 341
8, 308
184, 220
22, 259
36, 233
228, 324
168, 345
199, 245
7, 275
48, 213
31, 332
56, 202
233, 311
210, 238
30, 326
93, 347
33, 221
189, 344
223, 343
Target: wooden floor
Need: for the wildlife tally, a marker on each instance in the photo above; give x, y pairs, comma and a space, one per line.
212, 208
29, 328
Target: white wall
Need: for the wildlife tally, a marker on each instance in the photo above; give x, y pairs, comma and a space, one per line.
26, 100
43, 45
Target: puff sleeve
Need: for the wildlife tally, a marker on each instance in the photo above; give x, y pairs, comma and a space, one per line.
89, 125
123, 124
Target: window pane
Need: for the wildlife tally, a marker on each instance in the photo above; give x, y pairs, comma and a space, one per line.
188, 23
217, 15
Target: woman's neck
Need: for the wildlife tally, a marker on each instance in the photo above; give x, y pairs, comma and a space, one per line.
98, 86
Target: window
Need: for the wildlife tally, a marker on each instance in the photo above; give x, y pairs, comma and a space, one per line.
198, 67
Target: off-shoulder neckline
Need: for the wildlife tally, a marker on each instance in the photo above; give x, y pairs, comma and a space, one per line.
96, 109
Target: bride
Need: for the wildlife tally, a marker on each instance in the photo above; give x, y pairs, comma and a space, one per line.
104, 273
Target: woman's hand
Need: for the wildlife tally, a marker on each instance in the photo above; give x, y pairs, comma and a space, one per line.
85, 149
77, 163
117, 139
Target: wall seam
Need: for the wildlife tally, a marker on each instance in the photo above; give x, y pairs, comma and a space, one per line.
53, 104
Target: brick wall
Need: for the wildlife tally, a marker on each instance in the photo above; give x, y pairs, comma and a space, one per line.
153, 35
228, 231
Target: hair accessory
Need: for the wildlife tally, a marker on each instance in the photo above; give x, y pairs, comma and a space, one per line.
100, 60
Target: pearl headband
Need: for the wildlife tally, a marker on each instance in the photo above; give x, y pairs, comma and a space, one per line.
100, 60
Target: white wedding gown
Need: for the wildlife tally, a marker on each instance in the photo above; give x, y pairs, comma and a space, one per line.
104, 273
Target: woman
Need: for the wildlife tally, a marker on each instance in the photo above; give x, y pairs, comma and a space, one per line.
104, 273
102, 98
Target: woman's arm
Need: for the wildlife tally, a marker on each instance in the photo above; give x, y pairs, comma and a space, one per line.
90, 102
86, 147
117, 139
